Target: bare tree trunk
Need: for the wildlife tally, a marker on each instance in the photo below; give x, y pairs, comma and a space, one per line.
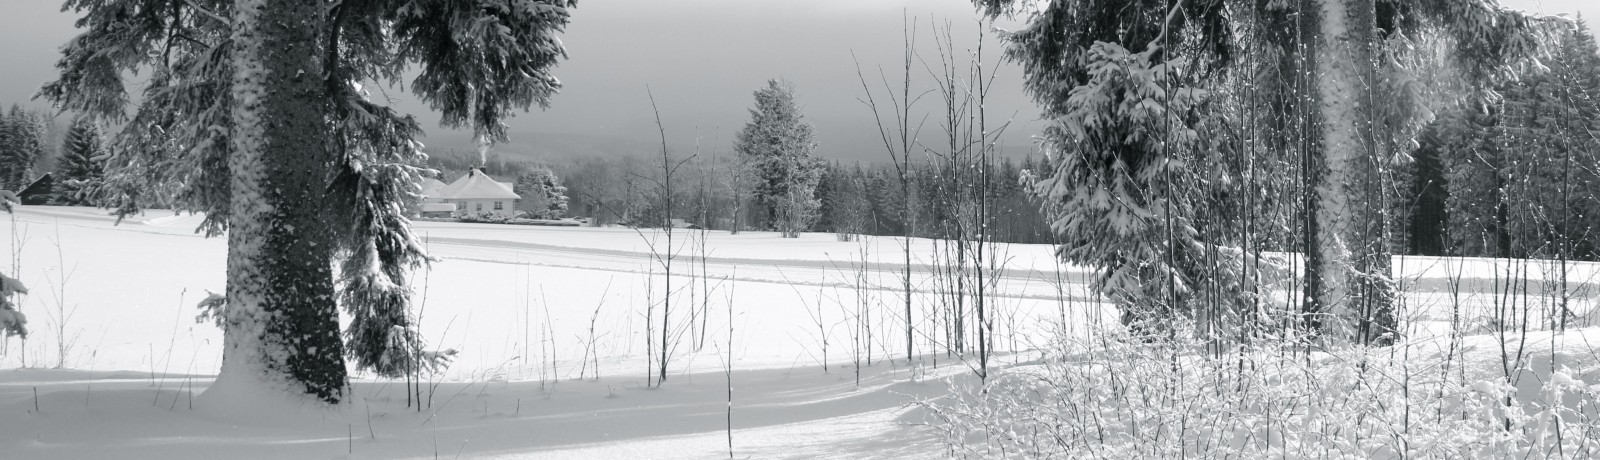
282, 326
1354, 297
667, 168
985, 325
897, 139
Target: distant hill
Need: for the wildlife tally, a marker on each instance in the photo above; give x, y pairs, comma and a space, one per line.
542, 147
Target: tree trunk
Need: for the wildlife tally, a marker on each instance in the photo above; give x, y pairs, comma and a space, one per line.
1353, 298
282, 332
905, 194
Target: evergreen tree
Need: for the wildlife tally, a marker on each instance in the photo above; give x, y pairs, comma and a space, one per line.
826, 191
1131, 85
1550, 125
1427, 225
80, 171
24, 137
844, 208
543, 196
255, 115
777, 144
8, 145
1515, 180
1124, 122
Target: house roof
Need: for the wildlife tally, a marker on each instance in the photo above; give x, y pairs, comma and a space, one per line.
476, 185
431, 187
39, 191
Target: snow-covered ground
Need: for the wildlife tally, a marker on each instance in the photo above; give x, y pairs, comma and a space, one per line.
536, 313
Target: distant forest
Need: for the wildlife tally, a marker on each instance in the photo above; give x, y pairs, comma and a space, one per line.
857, 198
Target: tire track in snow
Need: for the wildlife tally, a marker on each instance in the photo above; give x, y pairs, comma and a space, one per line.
1071, 285
850, 265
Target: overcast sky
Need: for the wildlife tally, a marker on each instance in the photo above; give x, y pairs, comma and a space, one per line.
702, 59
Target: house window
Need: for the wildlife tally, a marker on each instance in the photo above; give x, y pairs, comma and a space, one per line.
478, 206
497, 206
461, 206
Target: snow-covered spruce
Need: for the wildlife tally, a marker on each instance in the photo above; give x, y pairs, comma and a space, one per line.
1134, 161
776, 146
278, 147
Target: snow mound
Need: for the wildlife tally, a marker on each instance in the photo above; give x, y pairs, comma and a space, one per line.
239, 401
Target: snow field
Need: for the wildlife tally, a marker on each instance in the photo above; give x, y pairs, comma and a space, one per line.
519, 315
518, 303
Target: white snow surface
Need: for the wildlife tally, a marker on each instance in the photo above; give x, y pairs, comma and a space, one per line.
517, 302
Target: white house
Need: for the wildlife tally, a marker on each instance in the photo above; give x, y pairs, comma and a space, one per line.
432, 204
475, 193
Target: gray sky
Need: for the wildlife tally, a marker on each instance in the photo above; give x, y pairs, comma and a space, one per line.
702, 58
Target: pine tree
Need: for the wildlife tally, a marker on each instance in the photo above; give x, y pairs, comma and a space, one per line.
80, 170
255, 115
777, 144
543, 196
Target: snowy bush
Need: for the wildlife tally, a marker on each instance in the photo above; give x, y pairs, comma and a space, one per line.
1119, 397
485, 217
543, 196
12, 322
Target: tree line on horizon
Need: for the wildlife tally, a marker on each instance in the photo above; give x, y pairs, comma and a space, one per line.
856, 197
1516, 178
31, 146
